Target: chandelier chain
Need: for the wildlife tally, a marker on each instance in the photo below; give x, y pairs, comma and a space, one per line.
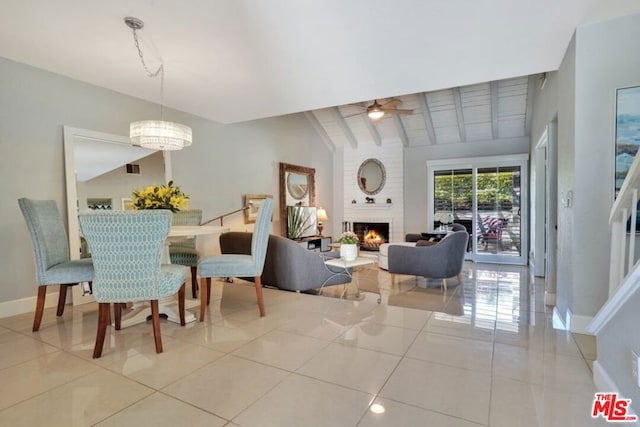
159, 71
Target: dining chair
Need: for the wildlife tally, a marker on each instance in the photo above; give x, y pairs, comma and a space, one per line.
127, 249
51, 253
238, 265
183, 252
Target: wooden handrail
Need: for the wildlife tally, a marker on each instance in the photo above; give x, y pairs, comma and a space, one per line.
223, 215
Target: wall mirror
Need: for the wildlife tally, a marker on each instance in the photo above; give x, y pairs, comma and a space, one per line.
94, 170
297, 188
371, 176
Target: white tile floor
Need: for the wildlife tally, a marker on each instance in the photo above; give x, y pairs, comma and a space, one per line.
483, 354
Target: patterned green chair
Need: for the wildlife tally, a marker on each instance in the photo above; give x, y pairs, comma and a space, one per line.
127, 248
184, 251
236, 265
51, 253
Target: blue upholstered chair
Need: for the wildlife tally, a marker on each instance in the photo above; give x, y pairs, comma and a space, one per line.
184, 252
236, 265
127, 248
51, 252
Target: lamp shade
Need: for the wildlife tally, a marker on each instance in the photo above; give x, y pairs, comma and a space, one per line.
375, 113
160, 135
322, 214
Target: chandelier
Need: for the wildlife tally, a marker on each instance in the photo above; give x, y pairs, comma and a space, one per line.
156, 134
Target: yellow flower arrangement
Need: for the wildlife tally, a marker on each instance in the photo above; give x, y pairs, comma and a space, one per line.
160, 197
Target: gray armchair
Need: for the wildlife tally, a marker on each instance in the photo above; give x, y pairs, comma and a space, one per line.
439, 261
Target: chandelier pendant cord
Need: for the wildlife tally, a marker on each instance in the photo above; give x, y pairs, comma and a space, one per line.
152, 74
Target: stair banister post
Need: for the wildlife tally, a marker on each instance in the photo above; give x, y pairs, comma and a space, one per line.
632, 229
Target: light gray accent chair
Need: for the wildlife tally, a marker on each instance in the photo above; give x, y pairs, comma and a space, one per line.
127, 249
51, 253
239, 265
288, 266
183, 252
440, 261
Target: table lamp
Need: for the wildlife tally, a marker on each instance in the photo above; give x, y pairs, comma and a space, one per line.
322, 216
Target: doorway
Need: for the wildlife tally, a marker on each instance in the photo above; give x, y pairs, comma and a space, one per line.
489, 197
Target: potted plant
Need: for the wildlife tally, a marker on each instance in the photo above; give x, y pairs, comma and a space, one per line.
297, 221
348, 245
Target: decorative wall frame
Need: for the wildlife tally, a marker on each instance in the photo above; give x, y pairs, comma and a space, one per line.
127, 204
627, 137
297, 188
253, 202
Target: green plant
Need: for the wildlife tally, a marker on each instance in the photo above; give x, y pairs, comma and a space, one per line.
298, 221
348, 238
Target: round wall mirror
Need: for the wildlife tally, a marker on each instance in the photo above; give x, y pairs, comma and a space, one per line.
298, 185
371, 176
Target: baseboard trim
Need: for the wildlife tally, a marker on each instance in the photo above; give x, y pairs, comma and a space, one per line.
579, 324
558, 321
602, 379
26, 305
549, 299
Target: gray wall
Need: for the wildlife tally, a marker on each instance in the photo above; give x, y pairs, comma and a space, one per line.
606, 59
224, 162
415, 172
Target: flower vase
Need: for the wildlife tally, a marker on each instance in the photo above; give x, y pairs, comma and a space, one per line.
348, 252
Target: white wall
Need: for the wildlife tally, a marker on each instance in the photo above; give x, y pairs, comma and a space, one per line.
225, 161
390, 153
415, 172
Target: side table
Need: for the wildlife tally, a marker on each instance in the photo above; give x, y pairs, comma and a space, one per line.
342, 267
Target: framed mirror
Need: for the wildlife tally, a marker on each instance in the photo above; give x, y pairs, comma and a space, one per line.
95, 170
297, 188
371, 176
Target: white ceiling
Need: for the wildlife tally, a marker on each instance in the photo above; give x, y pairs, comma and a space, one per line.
237, 60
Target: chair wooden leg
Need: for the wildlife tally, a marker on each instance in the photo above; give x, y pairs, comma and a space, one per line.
181, 305
208, 290
117, 313
62, 299
256, 280
459, 279
444, 284
393, 279
194, 282
203, 297
155, 318
103, 321
42, 293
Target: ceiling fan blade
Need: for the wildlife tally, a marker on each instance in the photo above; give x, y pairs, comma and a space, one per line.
391, 104
397, 111
359, 106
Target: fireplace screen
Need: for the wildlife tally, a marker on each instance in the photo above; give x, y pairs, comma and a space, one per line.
371, 234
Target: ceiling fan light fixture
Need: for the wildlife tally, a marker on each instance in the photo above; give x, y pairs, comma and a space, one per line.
375, 113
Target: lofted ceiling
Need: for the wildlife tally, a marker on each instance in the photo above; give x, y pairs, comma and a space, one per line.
481, 112
238, 60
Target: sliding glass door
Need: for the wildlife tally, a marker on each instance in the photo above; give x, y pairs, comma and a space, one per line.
487, 196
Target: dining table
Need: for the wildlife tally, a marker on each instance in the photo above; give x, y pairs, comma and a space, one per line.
168, 307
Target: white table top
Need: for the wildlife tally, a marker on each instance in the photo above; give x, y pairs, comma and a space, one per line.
195, 230
342, 263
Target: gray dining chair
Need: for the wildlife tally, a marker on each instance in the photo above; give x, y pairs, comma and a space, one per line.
238, 265
51, 253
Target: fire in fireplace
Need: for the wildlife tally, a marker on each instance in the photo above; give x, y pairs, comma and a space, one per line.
371, 234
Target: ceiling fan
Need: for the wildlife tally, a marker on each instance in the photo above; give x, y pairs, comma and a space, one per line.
376, 111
